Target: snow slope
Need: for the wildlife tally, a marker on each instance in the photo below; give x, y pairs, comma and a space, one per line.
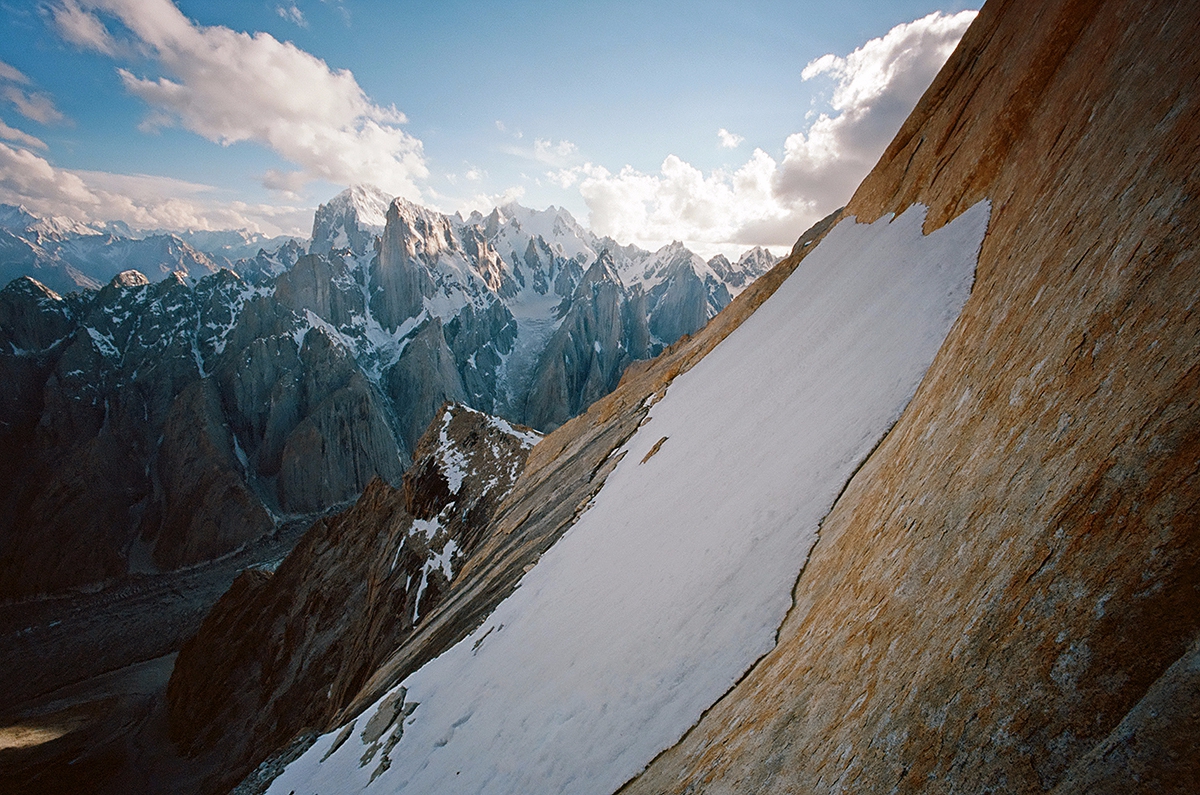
675, 580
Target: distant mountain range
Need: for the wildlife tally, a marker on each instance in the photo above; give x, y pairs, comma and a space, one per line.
67, 255
200, 397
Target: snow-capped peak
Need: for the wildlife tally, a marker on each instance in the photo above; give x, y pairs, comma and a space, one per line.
352, 220
19, 219
370, 204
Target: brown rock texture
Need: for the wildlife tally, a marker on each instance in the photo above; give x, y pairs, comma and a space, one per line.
1006, 597
285, 651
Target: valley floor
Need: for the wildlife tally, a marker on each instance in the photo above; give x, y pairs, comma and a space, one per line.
84, 676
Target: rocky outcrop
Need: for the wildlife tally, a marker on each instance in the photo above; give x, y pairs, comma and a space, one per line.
351, 221
350, 592
401, 278
343, 442
266, 265
1005, 596
324, 286
680, 303
35, 322
481, 340
750, 266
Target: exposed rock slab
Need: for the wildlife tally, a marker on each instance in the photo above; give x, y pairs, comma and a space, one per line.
1014, 569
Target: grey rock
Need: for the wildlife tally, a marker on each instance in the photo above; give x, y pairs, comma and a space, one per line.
422, 380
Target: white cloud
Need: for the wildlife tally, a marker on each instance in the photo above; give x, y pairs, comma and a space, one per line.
565, 177
681, 203
81, 28
33, 105
142, 201
729, 140
288, 183
229, 87
554, 154
292, 14
17, 136
771, 203
876, 88
561, 154
12, 74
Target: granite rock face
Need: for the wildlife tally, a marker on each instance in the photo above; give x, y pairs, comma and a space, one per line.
201, 506
350, 222
352, 590
423, 379
1005, 596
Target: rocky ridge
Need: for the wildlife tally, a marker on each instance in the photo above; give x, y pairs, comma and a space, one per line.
354, 588
66, 255
158, 425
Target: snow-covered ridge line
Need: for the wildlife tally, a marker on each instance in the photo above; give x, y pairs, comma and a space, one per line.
676, 579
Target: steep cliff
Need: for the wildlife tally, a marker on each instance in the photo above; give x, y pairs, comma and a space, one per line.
1005, 598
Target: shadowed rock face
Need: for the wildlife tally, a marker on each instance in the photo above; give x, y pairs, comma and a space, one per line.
323, 286
354, 587
171, 419
202, 495
1007, 595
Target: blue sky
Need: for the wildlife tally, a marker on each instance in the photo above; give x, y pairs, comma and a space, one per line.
218, 114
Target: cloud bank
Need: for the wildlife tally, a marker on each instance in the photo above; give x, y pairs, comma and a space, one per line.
230, 87
768, 202
142, 201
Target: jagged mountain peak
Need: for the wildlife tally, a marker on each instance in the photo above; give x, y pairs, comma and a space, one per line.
757, 261
410, 211
368, 202
21, 220
350, 220
129, 278
27, 285
604, 269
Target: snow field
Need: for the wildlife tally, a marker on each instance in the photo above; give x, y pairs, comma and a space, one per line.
676, 579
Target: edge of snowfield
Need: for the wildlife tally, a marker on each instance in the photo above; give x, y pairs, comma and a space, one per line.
676, 579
